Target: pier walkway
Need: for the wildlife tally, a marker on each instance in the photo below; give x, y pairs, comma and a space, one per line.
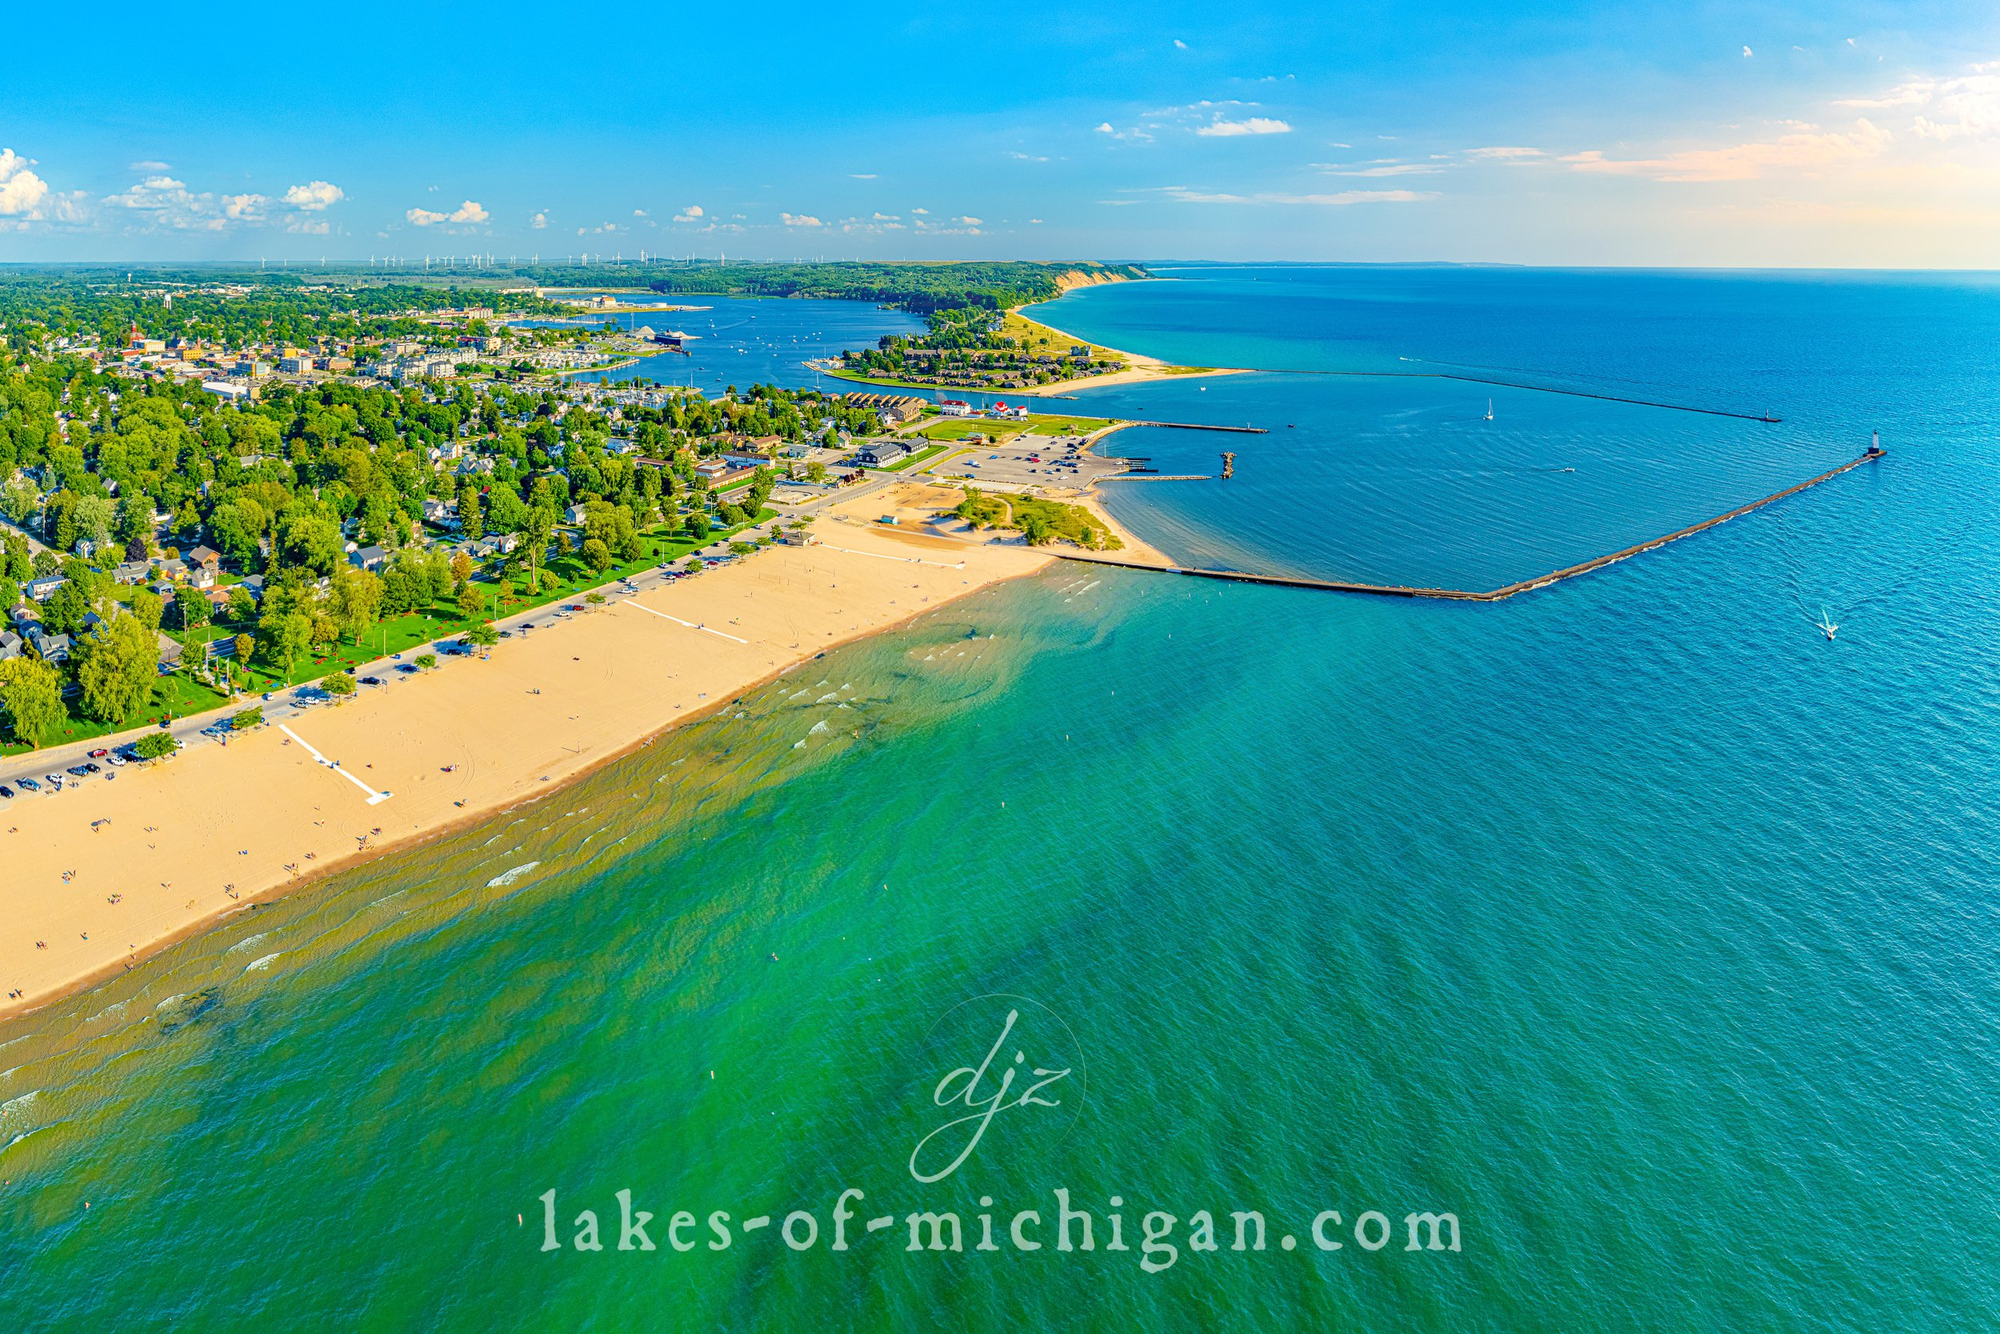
1498, 594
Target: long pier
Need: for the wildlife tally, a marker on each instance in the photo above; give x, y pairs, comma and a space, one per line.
1498, 594
1202, 426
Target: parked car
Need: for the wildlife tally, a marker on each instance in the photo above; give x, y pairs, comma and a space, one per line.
78, 770
54, 781
6, 793
28, 785
116, 760
99, 753
92, 768
371, 680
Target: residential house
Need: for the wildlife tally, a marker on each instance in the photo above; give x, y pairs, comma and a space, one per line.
369, 558
43, 588
574, 514
174, 570
207, 557
132, 572
49, 648
10, 645
200, 576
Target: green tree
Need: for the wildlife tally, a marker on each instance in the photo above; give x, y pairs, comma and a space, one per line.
426, 661
696, 525
484, 635
468, 513
285, 637
190, 610
536, 528
337, 683
116, 664
469, 601
65, 609
244, 646
312, 543
31, 695
596, 555
148, 607
155, 745
18, 498
354, 600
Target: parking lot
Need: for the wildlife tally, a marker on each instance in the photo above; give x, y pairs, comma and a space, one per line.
1032, 460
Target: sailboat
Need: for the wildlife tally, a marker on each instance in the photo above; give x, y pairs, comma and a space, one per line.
1826, 625
1489, 409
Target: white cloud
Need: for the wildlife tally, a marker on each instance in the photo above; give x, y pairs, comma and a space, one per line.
1394, 169
640, 213
21, 191
800, 220
1747, 53
1745, 162
969, 222
692, 213
1505, 154
920, 210
1963, 107
887, 217
539, 221
154, 167
1024, 157
1229, 129
314, 196
468, 213
1106, 128
1034, 222
1180, 45
861, 175
244, 208
166, 202
1344, 197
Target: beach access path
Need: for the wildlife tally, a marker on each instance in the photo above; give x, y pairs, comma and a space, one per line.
103, 873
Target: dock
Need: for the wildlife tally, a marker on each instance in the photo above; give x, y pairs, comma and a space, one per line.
1497, 594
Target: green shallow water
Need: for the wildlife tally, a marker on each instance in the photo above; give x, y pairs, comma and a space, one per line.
1634, 924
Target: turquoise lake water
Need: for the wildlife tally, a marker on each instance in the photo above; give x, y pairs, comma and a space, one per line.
1632, 922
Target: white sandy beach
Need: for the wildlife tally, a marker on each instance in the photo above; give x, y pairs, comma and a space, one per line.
106, 872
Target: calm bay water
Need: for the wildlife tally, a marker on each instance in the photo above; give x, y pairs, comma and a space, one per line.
1632, 922
743, 341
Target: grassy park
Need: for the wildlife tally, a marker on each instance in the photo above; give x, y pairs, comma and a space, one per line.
178, 694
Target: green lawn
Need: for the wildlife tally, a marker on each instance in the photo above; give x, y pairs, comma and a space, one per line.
918, 459
562, 579
173, 695
567, 577
961, 428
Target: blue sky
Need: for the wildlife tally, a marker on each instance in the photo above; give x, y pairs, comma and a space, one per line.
1848, 134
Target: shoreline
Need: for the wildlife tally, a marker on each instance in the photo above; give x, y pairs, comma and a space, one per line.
1140, 368
71, 877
